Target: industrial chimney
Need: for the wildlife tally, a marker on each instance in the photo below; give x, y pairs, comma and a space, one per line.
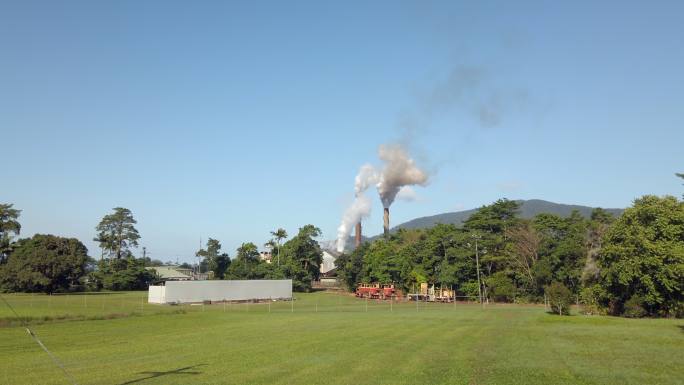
357, 238
386, 222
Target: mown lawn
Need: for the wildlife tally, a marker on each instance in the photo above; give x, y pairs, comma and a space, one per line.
331, 339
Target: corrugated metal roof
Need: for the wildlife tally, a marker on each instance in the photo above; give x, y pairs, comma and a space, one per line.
165, 272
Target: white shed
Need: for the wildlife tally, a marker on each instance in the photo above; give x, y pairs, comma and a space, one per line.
217, 290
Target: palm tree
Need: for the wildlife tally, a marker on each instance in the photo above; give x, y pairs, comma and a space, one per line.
279, 235
9, 227
270, 244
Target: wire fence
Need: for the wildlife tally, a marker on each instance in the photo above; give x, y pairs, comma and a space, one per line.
40, 308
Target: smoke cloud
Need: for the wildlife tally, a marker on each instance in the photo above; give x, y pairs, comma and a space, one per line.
366, 177
399, 171
359, 209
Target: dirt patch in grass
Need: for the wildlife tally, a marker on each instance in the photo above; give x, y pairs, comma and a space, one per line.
7, 322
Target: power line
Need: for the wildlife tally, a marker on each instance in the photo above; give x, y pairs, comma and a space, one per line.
40, 343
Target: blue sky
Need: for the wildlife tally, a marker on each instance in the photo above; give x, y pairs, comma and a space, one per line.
230, 119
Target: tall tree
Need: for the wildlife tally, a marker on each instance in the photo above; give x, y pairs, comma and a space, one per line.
304, 257
45, 263
642, 260
597, 228
246, 262
279, 235
117, 233
217, 262
9, 228
524, 251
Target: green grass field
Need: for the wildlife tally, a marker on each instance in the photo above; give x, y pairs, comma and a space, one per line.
329, 339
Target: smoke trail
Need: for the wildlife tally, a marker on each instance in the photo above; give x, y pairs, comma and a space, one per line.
361, 206
366, 177
358, 210
400, 170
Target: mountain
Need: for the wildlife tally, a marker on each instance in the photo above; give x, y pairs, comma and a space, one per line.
528, 209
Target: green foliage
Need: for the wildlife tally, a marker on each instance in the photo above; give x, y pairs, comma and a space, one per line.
643, 256
302, 257
45, 263
217, 263
121, 274
469, 289
501, 288
560, 298
9, 228
349, 266
245, 264
634, 307
591, 298
117, 233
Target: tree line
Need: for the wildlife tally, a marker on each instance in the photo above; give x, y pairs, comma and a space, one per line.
632, 265
48, 263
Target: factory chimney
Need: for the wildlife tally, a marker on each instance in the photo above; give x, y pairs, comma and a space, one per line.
386, 222
357, 238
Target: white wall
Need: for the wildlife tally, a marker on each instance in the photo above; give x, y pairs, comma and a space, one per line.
216, 290
156, 294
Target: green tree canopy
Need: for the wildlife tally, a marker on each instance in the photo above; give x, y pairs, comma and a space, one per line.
45, 263
278, 235
303, 256
126, 273
9, 228
217, 262
117, 233
643, 257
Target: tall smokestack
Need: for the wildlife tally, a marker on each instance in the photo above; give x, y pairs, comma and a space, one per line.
357, 239
386, 222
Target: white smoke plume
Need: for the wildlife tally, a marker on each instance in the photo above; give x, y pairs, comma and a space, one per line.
361, 206
407, 194
358, 210
366, 177
399, 171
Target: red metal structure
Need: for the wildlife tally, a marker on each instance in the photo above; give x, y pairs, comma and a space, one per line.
388, 291
368, 290
375, 291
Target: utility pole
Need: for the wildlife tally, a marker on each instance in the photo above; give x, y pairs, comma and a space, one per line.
199, 261
477, 262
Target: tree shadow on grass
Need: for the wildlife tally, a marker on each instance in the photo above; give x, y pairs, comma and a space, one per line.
681, 327
150, 375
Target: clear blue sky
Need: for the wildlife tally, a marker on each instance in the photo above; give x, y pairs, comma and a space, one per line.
229, 119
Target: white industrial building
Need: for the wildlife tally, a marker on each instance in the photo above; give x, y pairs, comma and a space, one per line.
218, 290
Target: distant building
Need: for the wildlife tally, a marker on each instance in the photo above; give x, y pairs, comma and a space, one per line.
328, 271
171, 273
265, 256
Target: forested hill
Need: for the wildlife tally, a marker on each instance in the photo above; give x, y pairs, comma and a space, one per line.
528, 209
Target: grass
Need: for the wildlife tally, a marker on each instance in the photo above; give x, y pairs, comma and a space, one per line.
331, 339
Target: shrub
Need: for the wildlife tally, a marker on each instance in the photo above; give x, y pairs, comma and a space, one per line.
501, 287
470, 289
634, 307
591, 300
560, 298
